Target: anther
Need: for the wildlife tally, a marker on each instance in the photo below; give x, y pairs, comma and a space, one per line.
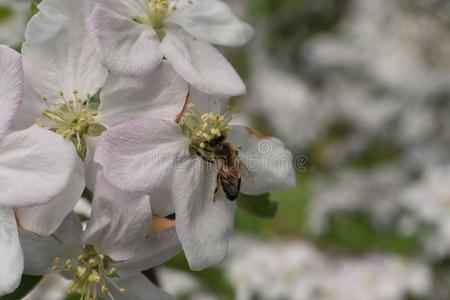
104, 289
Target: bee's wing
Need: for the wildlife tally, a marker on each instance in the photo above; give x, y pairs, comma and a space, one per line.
245, 172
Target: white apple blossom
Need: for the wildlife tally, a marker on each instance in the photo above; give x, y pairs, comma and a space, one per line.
298, 270
107, 258
62, 73
427, 203
34, 168
133, 36
178, 164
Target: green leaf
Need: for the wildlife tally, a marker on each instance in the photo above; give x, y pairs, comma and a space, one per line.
96, 129
211, 279
6, 12
73, 297
26, 285
82, 150
355, 233
259, 206
34, 9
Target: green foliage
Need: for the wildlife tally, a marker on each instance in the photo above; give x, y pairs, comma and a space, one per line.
211, 279
291, 22
6, 12
96, 129
239, 59
291, 216
27, 284
259, 206
34, 9
377, 153
356, 234
73, 297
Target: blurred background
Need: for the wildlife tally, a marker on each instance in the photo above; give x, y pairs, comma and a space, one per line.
359, 90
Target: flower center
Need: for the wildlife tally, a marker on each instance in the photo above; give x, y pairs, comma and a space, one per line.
92, 273
73, 118
157, 12
206, 131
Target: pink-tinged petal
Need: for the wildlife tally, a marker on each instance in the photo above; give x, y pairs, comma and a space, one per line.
11, 87
139, 156
36, 166
120, 221
58, 54
154, 252
41, 251
211, 21
162, 94
138, 287
201, 64
125, 46
46, 218
267, 161
204, 221
11, 262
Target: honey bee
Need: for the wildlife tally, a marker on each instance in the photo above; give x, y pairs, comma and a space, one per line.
230, 168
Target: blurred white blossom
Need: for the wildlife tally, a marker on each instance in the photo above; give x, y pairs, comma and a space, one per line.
298, 270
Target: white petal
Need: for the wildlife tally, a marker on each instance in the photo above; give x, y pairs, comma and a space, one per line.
203, 225
162, 94
129, 8
41, 251
45, 219
30, 110
211, 21
201, 64
125, 46
91, 168
57, 53
11, 87
205, 103
120, 221
155, 251
139, 156
36, 166
70, 232
267, 160
138, 287
11, 262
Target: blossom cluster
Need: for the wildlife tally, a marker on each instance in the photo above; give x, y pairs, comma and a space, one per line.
303, 271
127, 101
382, 139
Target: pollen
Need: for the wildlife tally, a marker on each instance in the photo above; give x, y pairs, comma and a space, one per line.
71, 117
204, 130
157, 13
92, 273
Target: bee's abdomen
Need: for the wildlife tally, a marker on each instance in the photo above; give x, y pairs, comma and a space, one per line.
231, 186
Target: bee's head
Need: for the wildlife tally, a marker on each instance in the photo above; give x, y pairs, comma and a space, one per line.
217, 141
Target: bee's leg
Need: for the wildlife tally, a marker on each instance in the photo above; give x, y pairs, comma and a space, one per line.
203, 155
